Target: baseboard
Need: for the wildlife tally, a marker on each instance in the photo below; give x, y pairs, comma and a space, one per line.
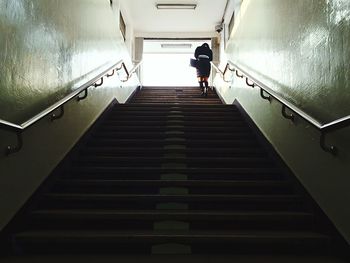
219, 95
133, 94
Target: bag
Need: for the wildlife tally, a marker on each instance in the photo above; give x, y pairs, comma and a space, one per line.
193, 62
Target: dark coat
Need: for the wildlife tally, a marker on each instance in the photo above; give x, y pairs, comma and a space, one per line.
203, 64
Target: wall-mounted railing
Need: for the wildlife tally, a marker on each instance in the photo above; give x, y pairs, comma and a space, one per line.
268, 94
95, 82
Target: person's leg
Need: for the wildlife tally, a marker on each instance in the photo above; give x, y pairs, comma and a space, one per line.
206, 87
201, 85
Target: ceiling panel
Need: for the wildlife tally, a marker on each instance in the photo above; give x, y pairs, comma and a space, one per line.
147, 19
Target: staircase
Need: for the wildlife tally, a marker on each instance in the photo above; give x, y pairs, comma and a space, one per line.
172, 173
177, 95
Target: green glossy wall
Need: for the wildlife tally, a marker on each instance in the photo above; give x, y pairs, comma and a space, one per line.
49, 48
300, 49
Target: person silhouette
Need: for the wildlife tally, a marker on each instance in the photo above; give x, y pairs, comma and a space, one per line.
204, 55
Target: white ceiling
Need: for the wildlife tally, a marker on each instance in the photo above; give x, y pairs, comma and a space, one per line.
147, 21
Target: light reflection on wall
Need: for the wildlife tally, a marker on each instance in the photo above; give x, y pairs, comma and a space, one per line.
298, 49
46, 47
340, 10
12, 11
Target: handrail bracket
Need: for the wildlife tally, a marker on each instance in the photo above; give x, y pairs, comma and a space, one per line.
290, 116
128, 75
249, 84
237, 74
262, 95
99, 84
110, 75
227, 67
57, 116
84, 96
13, 149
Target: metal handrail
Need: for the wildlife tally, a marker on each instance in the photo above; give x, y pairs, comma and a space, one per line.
19, 128
131, 72
222, 73
324, 128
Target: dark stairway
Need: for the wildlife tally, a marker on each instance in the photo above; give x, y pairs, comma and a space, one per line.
172, 178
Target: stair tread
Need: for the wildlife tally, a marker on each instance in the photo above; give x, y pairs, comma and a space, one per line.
97, 148
188, 170
159, 197
165, 158
110, 212
221, 183
71, 234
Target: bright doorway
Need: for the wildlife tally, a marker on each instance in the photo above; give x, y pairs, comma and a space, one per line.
167, 62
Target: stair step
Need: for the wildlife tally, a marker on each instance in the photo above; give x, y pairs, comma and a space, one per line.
110, 241
192, 123
248, 173
166, 133
170, 198
271, 202
168, 126
268, 216
118, 161
168, 112
127, 219
127, 142
209, 142
154, 186
191, 162
170, 106
160, 151
164, 117
185, 183
123, 151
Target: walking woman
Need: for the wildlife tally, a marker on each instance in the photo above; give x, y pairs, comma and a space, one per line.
204, 55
